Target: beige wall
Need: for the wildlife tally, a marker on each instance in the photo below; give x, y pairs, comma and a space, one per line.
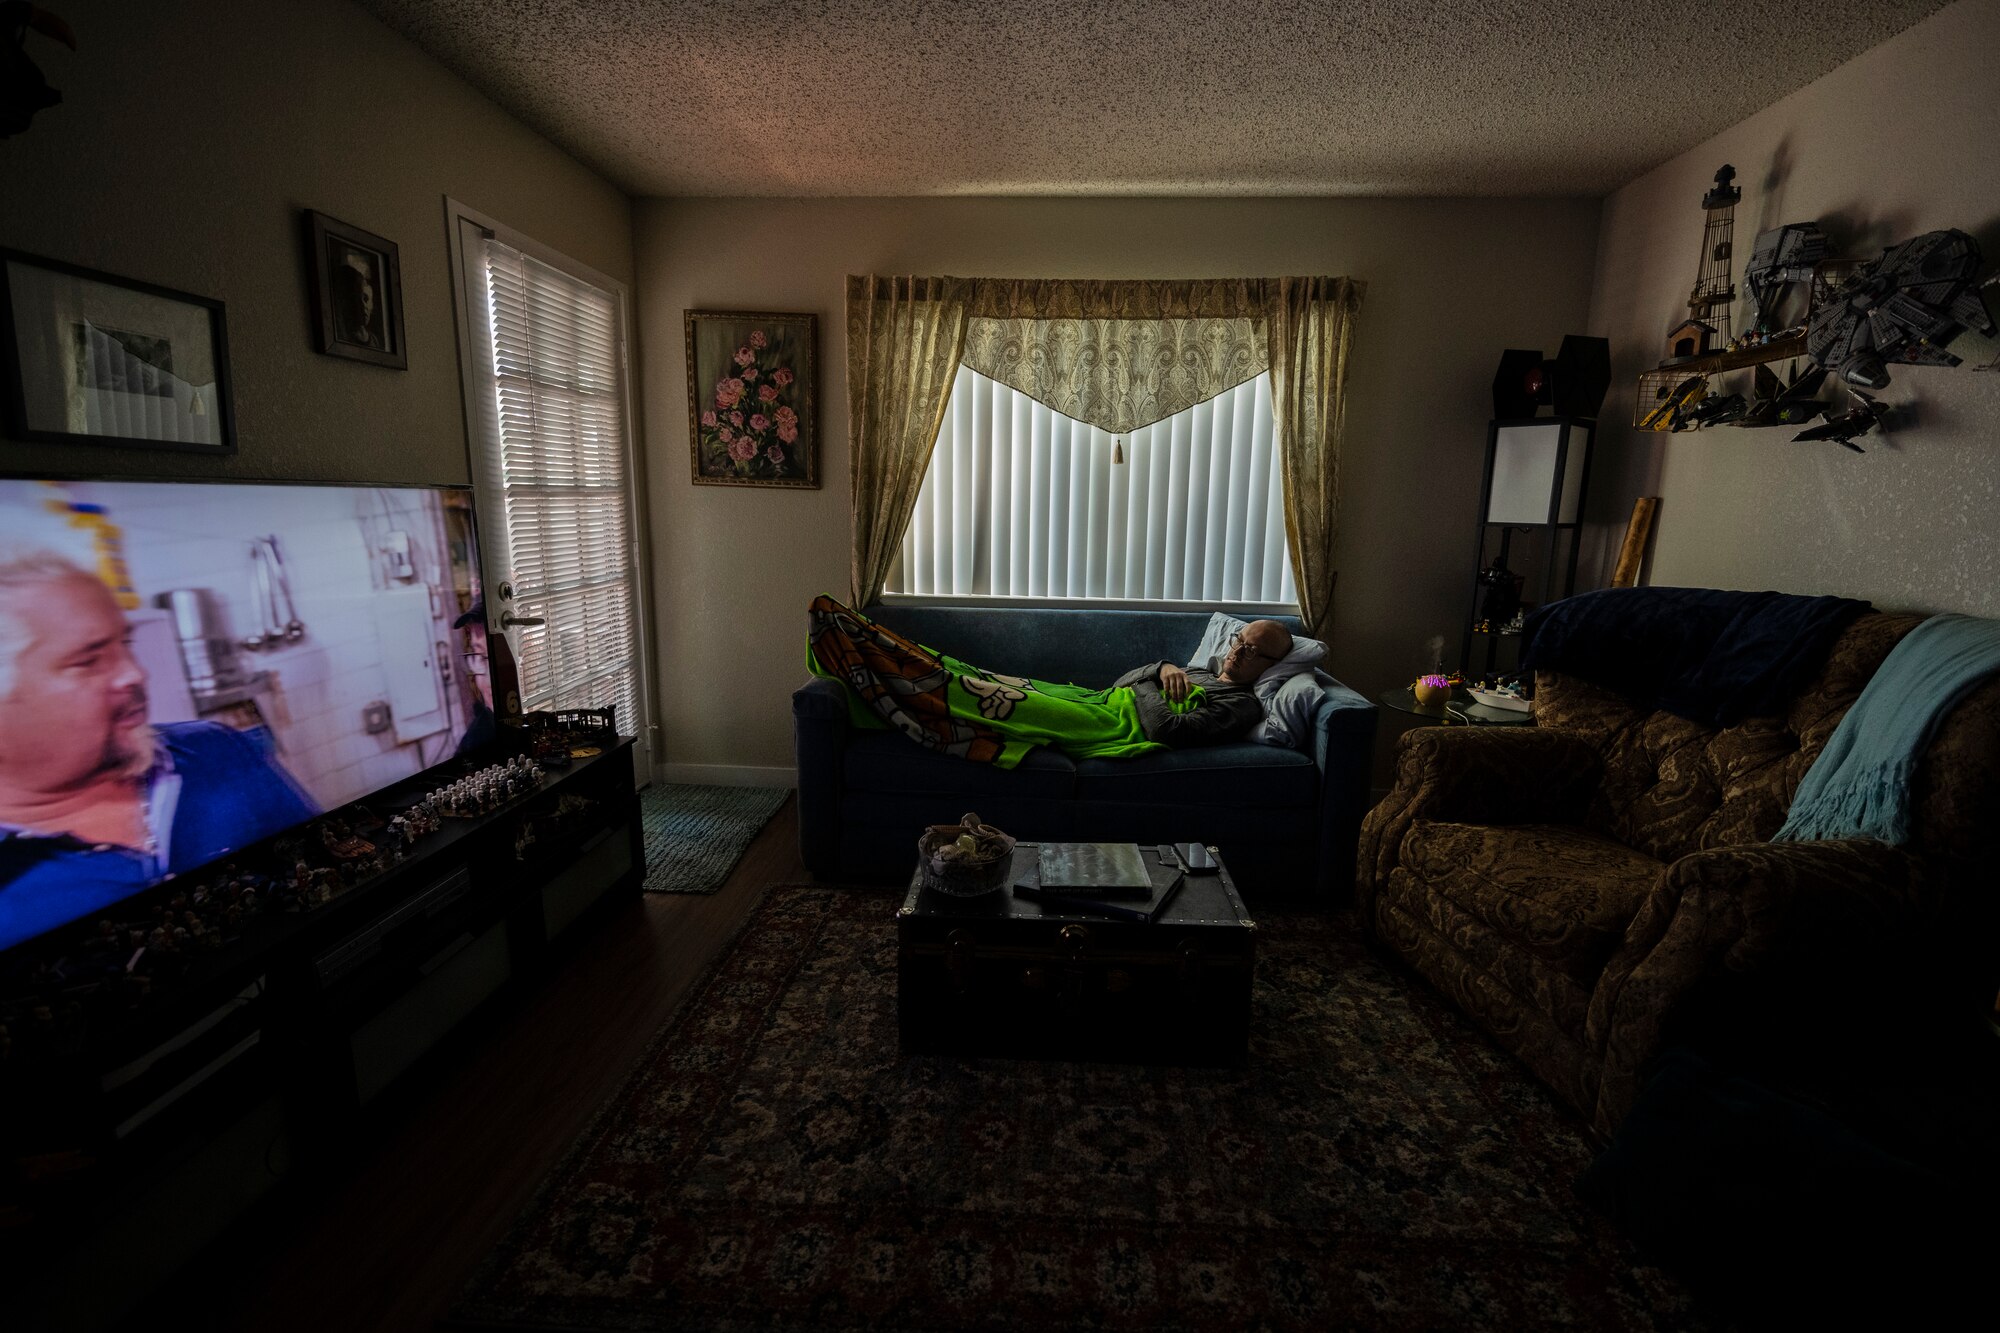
189, 138
1899, 141
1451, 282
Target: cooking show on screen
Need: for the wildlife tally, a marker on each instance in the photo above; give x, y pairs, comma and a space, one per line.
186, 669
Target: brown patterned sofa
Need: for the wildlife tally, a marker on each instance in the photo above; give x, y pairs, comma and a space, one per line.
1590, 887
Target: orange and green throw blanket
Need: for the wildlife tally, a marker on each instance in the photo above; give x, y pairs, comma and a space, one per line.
956, 708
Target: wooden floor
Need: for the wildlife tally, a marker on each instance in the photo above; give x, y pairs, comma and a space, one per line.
447, 1169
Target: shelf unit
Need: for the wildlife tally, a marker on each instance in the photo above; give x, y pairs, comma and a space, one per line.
263, 1064
1654, 385
1561, 516
1778, 349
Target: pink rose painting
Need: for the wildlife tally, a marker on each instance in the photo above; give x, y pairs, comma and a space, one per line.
751, 390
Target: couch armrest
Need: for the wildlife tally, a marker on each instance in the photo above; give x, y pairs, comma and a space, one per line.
1343, 746
1728, 920
819, 735
1474, 775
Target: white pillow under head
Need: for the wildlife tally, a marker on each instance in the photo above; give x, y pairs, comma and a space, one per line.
1288, 712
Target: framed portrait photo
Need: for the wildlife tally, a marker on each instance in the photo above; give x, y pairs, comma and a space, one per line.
93, 358
357, 293
753, 398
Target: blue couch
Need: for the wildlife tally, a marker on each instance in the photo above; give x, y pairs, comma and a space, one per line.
1279, 817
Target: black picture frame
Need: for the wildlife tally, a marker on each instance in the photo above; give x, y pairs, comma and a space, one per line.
88, 357
357, 292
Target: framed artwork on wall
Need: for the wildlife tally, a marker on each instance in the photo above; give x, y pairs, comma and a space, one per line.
357, 293
753, 397
92, 358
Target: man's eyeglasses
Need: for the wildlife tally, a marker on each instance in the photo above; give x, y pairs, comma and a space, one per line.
1237, 640
475, 660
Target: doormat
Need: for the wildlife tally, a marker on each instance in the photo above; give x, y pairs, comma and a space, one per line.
695, 835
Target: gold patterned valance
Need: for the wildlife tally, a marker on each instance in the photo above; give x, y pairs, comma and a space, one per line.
1118, 374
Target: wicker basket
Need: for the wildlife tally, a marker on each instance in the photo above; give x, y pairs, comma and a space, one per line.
964, 874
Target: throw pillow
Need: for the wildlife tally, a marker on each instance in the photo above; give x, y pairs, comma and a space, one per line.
1287, 713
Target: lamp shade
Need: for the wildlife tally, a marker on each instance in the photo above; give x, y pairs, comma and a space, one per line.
1538, 471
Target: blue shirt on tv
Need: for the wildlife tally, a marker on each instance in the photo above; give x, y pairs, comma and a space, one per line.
212, 791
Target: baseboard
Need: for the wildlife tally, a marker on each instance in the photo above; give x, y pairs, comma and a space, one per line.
726, 775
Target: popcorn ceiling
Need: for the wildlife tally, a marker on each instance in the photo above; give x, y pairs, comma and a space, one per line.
1176, 97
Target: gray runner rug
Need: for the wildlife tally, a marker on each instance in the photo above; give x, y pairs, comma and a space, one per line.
695, 835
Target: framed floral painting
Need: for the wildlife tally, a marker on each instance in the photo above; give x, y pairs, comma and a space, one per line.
753, 396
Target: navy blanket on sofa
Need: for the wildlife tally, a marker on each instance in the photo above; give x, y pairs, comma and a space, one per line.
1710, 656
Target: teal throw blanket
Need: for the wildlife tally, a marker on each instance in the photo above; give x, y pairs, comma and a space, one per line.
1859, 787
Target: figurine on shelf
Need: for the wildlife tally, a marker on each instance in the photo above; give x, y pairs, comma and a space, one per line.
342, 842
1502, 596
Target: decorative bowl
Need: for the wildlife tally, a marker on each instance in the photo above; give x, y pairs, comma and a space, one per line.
964, 860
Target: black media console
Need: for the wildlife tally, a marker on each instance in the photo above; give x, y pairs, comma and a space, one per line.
153, 1133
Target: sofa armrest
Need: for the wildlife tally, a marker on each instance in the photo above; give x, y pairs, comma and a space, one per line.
819, 734
1804, 922
1475, 775
1343, 747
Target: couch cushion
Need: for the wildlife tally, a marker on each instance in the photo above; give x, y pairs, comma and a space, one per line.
1561, 893
887, 761
1232, 776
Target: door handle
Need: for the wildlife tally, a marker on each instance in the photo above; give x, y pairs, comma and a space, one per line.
508, 620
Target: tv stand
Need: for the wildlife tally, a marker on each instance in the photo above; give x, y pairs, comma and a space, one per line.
266, 1058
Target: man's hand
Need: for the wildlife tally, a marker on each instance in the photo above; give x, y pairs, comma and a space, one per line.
1173, 682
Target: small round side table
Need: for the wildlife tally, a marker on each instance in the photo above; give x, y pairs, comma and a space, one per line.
1460, 709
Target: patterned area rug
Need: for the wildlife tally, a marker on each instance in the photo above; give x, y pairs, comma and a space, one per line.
695, 835
773, 1163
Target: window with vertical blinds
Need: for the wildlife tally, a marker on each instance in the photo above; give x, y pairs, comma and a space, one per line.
1021, 501
557, 453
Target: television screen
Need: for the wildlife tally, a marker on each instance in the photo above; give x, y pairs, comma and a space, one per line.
186, 669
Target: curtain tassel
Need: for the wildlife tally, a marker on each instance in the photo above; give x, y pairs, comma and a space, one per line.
1117, 450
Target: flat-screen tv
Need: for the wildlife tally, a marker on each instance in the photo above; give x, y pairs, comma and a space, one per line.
186, 669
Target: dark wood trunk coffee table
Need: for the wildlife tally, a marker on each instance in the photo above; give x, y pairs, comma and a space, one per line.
1006, 975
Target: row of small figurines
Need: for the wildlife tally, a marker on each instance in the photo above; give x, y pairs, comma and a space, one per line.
487, 790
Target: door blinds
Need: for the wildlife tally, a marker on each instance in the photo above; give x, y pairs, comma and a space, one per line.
556, 451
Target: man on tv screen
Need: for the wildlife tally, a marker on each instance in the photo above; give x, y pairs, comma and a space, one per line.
482, 730
95, 804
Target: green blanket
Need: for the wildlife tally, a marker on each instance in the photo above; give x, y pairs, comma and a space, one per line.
956, 708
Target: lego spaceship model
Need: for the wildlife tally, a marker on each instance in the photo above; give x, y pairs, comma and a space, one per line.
1865, 416
1906, 308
